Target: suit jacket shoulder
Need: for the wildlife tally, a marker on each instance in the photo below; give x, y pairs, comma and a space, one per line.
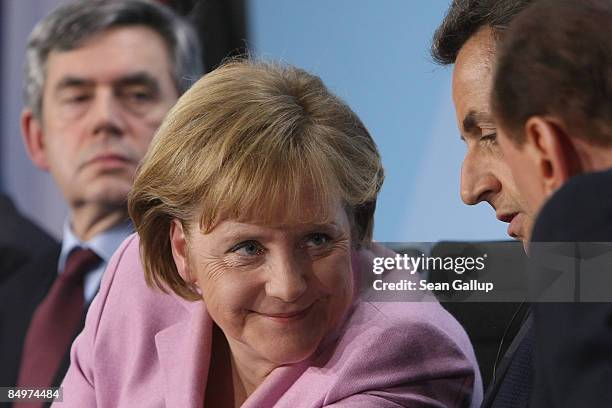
393, 355
20, 239
574, 356
580, 211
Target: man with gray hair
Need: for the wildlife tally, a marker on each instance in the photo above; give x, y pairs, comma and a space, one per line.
99, 78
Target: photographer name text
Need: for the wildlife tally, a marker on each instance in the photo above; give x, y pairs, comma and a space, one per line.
456, 285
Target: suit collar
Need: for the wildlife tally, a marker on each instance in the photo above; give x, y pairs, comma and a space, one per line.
493, 389
103, 244
276, 385
184, 355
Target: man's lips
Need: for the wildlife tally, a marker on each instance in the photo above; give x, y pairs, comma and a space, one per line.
514, 219
506, 217
109, 159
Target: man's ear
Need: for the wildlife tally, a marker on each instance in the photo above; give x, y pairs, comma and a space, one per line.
555, 155
33, 138
180, 251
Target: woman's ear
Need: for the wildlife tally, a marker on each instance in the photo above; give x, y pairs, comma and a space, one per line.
555, 155
180, 251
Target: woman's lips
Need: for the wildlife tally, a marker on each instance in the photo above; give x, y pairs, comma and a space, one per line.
287, 317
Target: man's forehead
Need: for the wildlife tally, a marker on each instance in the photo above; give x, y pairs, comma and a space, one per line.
474, 63
472, 77
112, 55
481, 44
120, 36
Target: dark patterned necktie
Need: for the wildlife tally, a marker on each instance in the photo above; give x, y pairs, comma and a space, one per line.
55, 322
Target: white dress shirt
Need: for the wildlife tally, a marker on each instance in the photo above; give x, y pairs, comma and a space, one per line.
104, 245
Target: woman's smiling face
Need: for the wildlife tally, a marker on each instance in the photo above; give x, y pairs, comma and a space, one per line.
274, 290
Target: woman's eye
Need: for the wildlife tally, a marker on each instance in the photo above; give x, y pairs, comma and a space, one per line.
318, 240
248, 248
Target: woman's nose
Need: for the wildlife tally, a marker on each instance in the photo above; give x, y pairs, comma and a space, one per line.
286, 281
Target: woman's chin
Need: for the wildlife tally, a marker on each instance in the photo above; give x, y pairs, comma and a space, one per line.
288, 350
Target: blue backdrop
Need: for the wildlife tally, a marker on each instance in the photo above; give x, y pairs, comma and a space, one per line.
375, 55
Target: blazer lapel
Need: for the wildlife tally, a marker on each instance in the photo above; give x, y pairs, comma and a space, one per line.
274, 387
493, 390
273, 391
184, 355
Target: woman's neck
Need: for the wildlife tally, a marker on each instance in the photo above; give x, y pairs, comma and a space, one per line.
233, 373
248, 371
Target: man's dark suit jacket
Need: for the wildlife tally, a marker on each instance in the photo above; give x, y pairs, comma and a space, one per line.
511, 386
20, 239
574, 340
501, 332
20, 294
28, 267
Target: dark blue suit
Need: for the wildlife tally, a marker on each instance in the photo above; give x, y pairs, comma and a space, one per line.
574, 340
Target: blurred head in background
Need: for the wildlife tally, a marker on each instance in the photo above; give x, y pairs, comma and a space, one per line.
552, 94
99, 78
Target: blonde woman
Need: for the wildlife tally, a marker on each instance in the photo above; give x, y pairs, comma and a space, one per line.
239, 289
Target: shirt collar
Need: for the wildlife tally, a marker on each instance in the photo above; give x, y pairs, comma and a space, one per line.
104, 244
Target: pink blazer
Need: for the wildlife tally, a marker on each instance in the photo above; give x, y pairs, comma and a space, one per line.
143, 348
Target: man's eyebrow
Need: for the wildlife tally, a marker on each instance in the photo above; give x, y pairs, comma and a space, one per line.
72, 82
138, 78
473, 121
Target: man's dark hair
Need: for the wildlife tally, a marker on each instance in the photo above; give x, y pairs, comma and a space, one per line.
465, 17
556, 61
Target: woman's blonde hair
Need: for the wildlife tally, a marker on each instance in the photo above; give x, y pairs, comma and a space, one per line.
246, 142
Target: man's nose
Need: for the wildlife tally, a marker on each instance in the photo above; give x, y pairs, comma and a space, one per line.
107, 115
478, 183
286, 279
